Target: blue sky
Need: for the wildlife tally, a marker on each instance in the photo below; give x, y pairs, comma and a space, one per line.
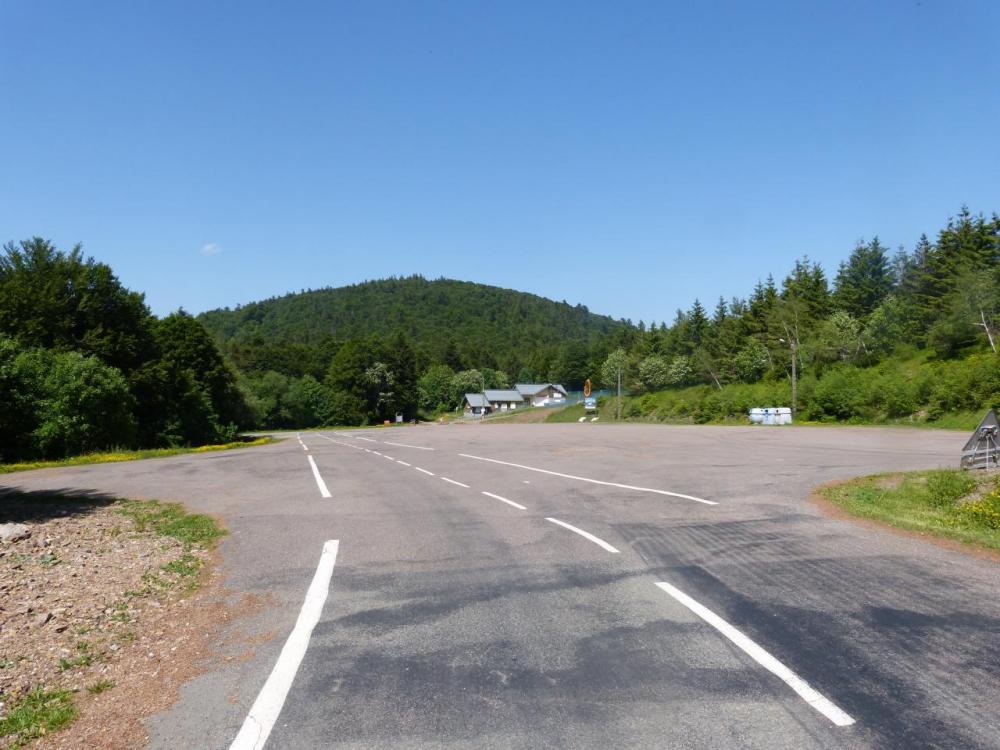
627, 156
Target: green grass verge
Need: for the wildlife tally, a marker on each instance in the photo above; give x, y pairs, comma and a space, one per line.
947, 503
34, 715
568, 414
117, 456
170, 519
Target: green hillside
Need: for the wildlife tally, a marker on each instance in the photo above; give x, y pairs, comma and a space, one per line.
480, 325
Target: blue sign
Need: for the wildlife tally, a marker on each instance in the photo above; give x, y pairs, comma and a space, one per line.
590, 403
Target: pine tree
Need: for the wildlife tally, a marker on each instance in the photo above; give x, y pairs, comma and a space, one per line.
864, 279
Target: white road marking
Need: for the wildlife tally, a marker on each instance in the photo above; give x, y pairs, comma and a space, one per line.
428, 473
376, 453
592, 481
358, 437
305, 447
762, 657
385, 455
585, 534
338, 442
505, 500
402, 462
259, 722
454, 482
404, 445
319, 480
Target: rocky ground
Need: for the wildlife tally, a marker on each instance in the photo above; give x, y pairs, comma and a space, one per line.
102, 605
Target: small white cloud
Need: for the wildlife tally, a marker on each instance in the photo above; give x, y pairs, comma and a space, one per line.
211, 249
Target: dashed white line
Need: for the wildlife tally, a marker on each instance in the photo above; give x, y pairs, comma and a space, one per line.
404, 445
358, 437
259, 722
428, 473
454, 482
385, 455
592, 481
762, 657
585, 534
402, 462
505, 500
376, 453
319, 480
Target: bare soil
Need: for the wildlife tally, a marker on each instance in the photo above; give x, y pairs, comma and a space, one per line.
86, 602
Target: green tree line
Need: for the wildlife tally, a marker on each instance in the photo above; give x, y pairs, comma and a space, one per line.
85, 366
845, 340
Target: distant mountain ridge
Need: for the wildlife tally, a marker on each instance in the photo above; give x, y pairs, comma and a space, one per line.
431, 313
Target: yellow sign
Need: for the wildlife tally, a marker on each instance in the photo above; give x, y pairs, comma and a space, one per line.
586, 389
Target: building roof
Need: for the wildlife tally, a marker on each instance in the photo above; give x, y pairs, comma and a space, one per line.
530, 389
475, 399
498, 395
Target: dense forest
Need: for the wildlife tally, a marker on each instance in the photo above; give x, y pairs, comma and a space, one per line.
458, 323
893, 335
370, 351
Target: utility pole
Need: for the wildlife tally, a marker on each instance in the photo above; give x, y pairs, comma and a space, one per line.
793, 344
618, 405
482, 379
795, 356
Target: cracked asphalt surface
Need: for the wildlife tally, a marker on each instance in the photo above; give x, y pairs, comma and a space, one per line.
457, 620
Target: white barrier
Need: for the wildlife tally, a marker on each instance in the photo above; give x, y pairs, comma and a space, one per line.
771, 415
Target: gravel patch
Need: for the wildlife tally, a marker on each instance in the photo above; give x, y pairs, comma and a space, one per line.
94, 602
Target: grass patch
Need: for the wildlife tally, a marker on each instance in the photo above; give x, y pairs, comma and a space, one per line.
126, 455
170, 519
566, 414
100, 686
186, 567
35, 715
948, 503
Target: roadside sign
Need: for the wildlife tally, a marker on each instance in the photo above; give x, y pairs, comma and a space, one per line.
983, 448
590, 403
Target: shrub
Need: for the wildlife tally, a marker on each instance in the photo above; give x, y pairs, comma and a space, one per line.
981, 514
947, 486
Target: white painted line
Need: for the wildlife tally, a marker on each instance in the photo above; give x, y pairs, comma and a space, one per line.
305, 447
762, 657
338, 442
428, 473
404, 445
454, 482
402, 462
592, 481
376, 453
259, 722
388, 456
319, 480
358, 437
585, 534
505, 500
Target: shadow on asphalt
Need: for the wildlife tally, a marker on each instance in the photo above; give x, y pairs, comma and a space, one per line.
20, 506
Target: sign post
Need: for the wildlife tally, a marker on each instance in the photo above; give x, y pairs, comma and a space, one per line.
589, 401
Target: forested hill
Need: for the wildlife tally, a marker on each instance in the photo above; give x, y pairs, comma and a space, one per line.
482, 322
